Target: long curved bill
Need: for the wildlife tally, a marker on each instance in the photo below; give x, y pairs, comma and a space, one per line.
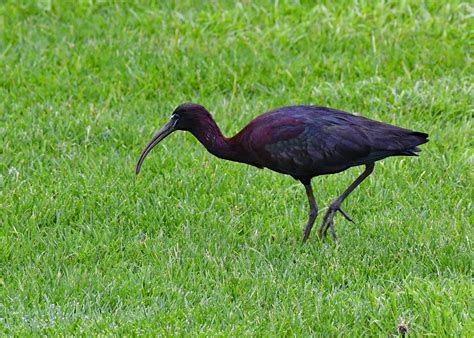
159, 136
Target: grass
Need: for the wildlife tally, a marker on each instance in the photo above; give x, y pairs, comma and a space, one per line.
197, 245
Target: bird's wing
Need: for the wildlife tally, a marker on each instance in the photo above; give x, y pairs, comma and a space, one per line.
299, 146
346, 139
309, 141
333, 145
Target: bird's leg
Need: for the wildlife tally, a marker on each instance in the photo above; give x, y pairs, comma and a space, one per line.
328, 220
313, 210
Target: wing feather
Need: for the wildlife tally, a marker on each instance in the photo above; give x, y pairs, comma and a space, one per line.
305, 141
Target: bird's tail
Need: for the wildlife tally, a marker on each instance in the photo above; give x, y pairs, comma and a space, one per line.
415, 138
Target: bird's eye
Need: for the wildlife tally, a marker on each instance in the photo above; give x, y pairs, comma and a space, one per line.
174, 119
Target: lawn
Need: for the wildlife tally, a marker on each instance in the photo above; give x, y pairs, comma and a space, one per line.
197, 245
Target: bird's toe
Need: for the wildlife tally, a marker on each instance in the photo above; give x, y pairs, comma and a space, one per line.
346, 216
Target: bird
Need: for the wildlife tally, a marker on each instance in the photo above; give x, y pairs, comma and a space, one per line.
302, 141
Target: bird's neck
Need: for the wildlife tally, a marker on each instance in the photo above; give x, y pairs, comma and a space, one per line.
208, 133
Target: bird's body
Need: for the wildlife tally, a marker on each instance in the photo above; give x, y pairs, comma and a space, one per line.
301, 141
308, 141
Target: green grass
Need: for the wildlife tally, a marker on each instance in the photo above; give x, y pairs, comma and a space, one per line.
197, 245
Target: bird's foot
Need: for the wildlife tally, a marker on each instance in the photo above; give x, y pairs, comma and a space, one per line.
328, 220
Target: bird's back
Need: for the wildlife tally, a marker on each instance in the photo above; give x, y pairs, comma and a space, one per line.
306, 141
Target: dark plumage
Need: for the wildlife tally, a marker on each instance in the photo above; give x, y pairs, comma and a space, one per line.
300, 141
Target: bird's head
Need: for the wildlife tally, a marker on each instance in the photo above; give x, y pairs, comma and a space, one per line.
187, 116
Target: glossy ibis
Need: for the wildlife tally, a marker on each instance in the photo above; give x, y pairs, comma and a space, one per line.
300, 141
